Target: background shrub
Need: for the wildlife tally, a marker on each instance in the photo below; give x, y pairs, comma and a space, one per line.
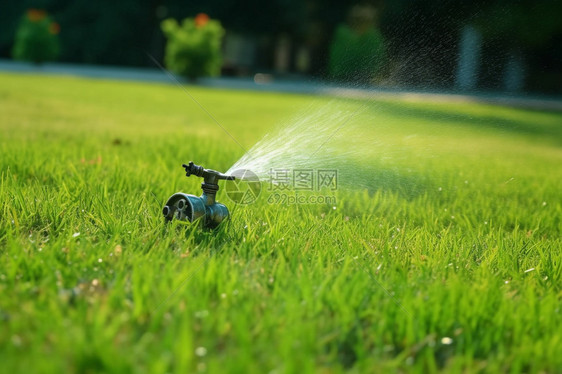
193, 49
356, 56
36, 38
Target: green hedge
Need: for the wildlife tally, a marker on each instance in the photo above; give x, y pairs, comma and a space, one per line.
193, 48
36, 38
354, 56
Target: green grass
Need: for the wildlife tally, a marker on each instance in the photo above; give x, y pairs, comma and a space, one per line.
437, 250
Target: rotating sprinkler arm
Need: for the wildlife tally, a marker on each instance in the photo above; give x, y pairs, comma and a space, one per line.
209, 176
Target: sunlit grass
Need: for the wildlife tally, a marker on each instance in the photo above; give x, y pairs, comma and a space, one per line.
451, 260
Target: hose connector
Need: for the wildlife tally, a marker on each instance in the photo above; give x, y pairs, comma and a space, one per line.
186, 207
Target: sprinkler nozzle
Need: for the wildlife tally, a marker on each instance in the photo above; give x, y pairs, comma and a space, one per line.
210, 176
187, 207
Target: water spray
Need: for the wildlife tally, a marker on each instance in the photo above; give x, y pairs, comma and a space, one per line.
185, 207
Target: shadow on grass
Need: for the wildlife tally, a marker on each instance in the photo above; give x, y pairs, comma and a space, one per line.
524, 127
374, 176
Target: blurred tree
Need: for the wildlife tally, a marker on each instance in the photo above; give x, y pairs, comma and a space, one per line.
530, 29
422, 40
36, 38
105, 31
521, 23
357, 52
194, 47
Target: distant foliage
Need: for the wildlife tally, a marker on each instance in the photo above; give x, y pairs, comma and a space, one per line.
356, 56
194, 47
36, 38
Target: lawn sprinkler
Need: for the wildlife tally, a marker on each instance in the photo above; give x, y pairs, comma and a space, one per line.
186, 207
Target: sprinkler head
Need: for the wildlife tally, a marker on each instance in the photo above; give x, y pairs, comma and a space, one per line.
185, 207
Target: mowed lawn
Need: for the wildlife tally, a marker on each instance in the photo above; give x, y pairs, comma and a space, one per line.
450, 260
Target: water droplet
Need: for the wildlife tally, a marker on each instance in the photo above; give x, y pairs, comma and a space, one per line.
200, 351
544, 203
